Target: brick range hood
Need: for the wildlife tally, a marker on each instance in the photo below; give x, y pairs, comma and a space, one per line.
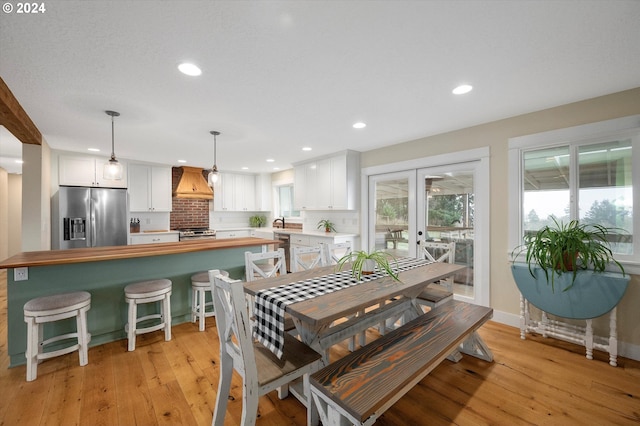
191, 195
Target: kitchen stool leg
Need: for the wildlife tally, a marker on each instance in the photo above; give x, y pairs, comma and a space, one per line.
32, 349
131, 326
201, 309
166, 316
83, 341
194, 304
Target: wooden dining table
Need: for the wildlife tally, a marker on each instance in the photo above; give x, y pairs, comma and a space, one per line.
326, 320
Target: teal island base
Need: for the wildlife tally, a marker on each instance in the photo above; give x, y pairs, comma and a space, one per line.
105, 280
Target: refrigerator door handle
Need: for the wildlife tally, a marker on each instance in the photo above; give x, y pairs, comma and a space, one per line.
94, 234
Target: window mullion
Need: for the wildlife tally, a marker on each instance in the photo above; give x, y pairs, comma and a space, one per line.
574, 199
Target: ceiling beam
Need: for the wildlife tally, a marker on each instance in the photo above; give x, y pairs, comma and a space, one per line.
15, 119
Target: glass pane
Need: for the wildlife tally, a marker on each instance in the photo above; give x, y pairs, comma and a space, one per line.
285, 200
605, 190
449, 217
546, 187
392, 221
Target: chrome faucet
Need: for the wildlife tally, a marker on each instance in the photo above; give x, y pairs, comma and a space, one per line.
279, 220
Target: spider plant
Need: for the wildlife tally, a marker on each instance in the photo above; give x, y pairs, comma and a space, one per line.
568, 247
360, 259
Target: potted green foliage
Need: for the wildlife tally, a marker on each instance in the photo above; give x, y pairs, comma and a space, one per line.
257, 221
364, 263
568, 247
327, 225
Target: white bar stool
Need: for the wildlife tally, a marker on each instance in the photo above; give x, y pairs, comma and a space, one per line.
200, 285
146, 292
54, 308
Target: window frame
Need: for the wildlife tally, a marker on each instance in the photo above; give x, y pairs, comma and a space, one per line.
276, 198
574, 137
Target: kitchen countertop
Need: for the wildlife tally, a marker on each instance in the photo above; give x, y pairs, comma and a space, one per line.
96, 254
163, 231
294, 231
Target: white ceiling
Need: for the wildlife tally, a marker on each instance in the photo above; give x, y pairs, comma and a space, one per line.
278, 76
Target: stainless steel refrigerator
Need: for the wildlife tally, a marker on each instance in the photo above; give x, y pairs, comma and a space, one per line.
89, 217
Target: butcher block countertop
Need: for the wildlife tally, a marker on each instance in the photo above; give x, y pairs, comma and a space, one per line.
96, 254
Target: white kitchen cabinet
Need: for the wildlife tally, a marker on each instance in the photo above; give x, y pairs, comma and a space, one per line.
234, 233
149, 188
305, 186
152, 238
258, 233
235, 192
87, 171
328, 183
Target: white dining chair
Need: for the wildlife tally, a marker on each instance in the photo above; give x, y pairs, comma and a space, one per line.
261, 371
259, 265
304, 258
266, 265
335, 251
439, 252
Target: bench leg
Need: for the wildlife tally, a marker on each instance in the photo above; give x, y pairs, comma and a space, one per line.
475, 346
329, 415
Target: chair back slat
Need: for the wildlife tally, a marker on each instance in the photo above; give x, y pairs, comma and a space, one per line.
334, 251
428, 250
233, 322
303, 258
257, 265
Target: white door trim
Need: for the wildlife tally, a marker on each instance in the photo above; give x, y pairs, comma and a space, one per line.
483, 192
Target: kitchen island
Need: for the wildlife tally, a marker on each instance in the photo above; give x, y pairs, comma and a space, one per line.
105, 271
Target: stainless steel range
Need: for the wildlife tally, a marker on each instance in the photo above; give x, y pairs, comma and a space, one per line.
187, 234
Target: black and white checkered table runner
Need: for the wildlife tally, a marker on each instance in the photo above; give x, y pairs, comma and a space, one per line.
270, 303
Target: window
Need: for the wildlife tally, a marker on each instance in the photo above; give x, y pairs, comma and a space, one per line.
572, 174
285, 201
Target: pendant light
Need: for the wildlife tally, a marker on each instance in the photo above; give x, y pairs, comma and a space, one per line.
213, 174
112, 170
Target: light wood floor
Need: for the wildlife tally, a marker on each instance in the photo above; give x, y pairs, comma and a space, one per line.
537, 381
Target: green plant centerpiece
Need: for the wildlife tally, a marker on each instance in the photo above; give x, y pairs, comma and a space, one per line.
327, 225
568, 247
364, 263
257, 221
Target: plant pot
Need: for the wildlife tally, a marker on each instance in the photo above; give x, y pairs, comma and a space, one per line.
593, 294
368, 267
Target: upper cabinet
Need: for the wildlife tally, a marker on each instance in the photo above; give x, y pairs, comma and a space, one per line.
87, 171
149, 188
239, 192
328, 183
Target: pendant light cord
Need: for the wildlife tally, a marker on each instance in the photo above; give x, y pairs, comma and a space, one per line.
113, 150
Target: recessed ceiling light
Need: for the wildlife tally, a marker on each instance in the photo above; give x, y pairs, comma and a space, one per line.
20, 161
359, 125
93, 149
182, 161
462, 89
270, 160
276, 168
245, 168
306, 148
189, 69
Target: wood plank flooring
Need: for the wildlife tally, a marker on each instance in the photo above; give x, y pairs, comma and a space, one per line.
533, 382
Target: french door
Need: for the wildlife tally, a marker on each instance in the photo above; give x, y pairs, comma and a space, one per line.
444, 203
392, 213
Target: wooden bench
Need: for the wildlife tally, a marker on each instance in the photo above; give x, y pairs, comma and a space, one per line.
434, 297
358, 388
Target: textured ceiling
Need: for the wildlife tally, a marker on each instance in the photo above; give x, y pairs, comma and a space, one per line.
278, 76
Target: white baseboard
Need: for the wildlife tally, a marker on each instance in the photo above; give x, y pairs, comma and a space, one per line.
627, 350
